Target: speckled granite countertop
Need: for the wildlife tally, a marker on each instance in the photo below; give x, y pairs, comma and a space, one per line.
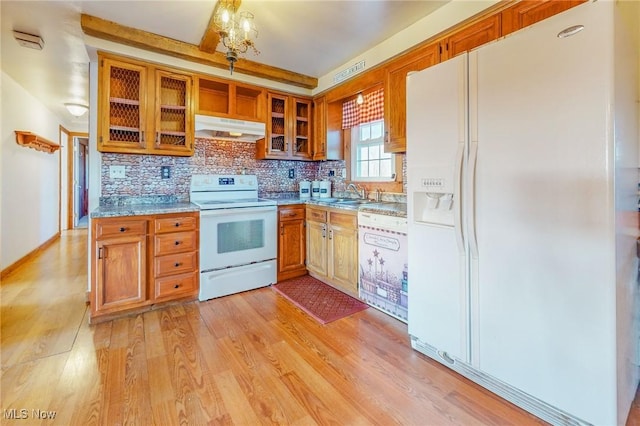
384, 207
139, 206
143, 209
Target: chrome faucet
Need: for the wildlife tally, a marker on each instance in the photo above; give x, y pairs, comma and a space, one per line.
358, 190
378, 194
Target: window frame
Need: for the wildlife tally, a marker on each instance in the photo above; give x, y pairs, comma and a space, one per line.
355, 142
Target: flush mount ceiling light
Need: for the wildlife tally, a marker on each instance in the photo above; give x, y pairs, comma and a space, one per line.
360, 99
237, 30
75, 109
29, 40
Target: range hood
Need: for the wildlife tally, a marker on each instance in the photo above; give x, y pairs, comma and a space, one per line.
211, 127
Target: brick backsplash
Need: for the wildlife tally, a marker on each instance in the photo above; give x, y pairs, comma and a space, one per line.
211, 157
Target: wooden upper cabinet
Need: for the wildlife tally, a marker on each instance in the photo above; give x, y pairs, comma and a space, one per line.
470, 37
302, 130
289, 128
123, 106
225, 98
144, 109
173, 115
395, 95
319, 143
327, 141
525, 13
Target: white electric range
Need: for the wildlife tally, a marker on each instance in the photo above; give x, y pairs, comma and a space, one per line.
238, 236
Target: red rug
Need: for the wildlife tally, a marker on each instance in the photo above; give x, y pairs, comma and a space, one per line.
321, 301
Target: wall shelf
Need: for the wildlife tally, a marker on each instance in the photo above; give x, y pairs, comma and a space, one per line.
31, 140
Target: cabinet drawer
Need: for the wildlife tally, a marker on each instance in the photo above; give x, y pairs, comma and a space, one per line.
176, 242
291, 213
112, 228
175, 264
174, 224
342, 219
317, 215
173, 286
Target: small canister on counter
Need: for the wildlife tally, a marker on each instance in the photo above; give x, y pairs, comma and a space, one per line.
315, 188
305, 189
325, 189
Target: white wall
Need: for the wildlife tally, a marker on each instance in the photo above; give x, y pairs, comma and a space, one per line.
447, 16
29, 178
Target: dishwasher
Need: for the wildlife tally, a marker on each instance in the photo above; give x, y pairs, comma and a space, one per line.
382, 258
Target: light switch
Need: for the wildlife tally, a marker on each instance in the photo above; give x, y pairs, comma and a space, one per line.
117, 172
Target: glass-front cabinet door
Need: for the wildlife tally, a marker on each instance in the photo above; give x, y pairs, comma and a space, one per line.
123, 103
173, 127
277, 127
144, 108
301, 128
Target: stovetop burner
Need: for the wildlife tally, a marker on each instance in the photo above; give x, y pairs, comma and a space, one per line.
211, 192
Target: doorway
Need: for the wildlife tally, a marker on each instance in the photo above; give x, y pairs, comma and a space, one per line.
81, 195
79, 189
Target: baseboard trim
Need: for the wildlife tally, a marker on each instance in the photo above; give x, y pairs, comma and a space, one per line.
29, 256
523, 400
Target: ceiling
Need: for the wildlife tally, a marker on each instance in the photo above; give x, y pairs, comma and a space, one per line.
310, 37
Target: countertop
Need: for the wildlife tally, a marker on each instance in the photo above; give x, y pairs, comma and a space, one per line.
143, 209
149, 208
384, 207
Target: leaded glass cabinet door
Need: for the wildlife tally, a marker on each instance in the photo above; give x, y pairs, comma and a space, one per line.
173, 133
302, 128
123, 107
278, 126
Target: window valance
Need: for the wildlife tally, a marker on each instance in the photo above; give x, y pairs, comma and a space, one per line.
371, 109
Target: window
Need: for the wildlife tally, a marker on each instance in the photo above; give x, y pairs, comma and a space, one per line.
369, 162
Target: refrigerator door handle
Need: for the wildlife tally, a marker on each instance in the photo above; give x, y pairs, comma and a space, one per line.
457, 212
471, 205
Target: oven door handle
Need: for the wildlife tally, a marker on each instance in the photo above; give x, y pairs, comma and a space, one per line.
231, 211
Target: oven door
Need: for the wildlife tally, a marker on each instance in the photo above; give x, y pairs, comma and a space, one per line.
233, 237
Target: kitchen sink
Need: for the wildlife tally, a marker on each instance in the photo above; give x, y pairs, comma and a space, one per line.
352, 201
344, 201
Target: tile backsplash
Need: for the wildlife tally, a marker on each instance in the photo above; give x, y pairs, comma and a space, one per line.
143, 172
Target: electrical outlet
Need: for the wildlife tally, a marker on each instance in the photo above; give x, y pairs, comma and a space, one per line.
344, 173
117, 172
292, 173
165, 172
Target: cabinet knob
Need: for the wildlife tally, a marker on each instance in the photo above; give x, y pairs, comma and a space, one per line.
176, 286
123, 229
177, 224
177, 243
177, 264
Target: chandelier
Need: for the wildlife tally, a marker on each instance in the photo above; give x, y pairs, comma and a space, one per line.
236, 30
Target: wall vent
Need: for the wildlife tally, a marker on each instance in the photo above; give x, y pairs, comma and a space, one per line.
29, 40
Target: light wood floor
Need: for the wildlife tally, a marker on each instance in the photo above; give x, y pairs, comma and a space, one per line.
245, 359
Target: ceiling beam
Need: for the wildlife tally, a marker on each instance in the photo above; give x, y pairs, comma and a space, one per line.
211, 38
107, 30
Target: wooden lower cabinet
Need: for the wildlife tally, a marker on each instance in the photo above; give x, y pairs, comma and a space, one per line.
141, 261
332, 247
120, 273
291, 242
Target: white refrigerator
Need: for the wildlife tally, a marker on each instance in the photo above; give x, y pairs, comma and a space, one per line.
522, 167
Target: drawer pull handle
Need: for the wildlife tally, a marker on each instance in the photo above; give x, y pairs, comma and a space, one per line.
177, 264
177, 224
177, 243
123, 229
176, 286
